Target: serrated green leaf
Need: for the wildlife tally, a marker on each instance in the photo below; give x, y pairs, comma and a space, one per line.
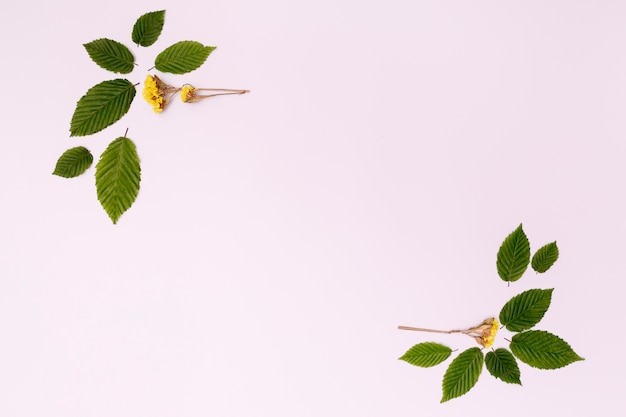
543, 350
73, 162
102, 105
148, 27
182, 57
117, 177
545, 257
426, 354
526, 309
111, 55
502, 365
462, 374
513, 256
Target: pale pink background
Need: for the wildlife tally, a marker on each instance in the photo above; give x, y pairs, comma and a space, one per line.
280, 237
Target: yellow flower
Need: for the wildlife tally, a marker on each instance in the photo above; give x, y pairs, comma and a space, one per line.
187, 93
489, 334
484, 333
155, 92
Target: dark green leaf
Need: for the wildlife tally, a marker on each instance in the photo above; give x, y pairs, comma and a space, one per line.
102, 105
526, 309
513, 256
426, 354
73, 162
182, 57
543, 350
462, 374
111, 55
117, 177
148, 27
545, 257
502, 364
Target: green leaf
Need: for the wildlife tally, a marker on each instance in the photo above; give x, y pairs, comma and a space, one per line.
462, 374
427, 354
526, 309
117, 177
111, 55
182, 57
102, 105
545, 257
148, 27
543, 350
502, 364
73, 162
513, 256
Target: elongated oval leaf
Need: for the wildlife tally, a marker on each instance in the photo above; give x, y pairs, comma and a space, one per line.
102, 105
148, 27
111, 55
117, 177
462, 374
426, 354
502, 364
543, 350
526, 309
545, 257
73, 162
182, 57
513, 256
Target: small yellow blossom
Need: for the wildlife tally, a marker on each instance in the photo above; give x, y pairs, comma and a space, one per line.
187, 93
489, 335
484, 333
155, 92
152, 95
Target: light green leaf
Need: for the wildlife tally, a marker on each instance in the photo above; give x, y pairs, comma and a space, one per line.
426, 354
73, 162
543, 350
502, 364
117, 177
513, 256
462, 374
526, 309
102, 105
148, 27
111, 55
182, 57
545, 257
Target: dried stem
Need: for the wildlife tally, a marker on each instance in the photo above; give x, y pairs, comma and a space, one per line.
418, 329
200, 97
238, 91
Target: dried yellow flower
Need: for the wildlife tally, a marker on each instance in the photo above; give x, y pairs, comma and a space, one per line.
156, 92
187, 93
484, 333
489, 336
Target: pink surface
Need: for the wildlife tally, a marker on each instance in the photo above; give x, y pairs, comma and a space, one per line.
384, 152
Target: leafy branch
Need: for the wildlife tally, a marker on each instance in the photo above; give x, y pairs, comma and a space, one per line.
118, 171
536, 348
